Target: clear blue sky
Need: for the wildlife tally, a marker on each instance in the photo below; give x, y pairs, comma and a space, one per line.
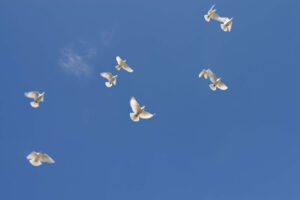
239, 144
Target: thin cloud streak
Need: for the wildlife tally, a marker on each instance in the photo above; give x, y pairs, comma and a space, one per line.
75, 63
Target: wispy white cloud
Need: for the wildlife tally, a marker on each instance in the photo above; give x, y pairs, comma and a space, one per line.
75, 59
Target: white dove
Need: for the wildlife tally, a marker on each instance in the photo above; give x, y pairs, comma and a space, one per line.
227, 24
138, 112
216, 82
203, 73
211, 14
122, 64
111, 79
36, 159
36, 96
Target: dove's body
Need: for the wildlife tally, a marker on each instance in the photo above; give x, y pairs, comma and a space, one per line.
122, 64
138, 112
36, 96
36, 159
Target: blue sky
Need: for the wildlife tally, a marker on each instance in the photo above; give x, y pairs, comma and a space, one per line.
242, 143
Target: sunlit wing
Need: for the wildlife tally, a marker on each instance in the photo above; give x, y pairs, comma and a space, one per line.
203, 73
119, 60
212, 8
134, 105
47, 158
32, 94
32, 155
215, 16
222, 86
106, 75
211, 76
146, 115
127, 68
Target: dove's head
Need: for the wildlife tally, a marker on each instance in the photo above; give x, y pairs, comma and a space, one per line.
143, 108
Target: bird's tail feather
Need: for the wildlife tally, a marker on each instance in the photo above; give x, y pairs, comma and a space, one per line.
108, 84
35, 163
206, 18
213, 87
34, 104
134, 117
223, 27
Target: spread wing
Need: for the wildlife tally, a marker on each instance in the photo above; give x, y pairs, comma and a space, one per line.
119, 60
32, 94
32, 155
211, 8
47, 158
127, 68
134, 105
222, 86
146, 115
106, 75
203, 73
223, 19
211, 76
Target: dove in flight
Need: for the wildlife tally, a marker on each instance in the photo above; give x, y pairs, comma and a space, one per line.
36, 96
211, 14
227, 24
216, 82
111, 79
122, 64
36, 159
138, 112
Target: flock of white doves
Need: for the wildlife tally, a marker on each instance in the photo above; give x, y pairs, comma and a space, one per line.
36, 158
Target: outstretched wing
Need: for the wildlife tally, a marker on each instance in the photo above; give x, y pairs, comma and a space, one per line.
223, 19
211, 76
211, 8
134, 105
47, 158
203, 73
127, 68
146, 115
222, 86
32, 155
32, 94
119, 60
106, 75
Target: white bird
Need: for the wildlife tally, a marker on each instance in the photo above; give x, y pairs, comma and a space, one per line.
227, 24
36, 96
203, 73
138, 112
211, 14
36, 159
111, 79
122, 64
216, 82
